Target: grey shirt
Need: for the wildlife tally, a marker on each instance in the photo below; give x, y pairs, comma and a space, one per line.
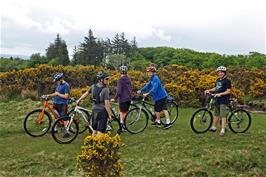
104, 95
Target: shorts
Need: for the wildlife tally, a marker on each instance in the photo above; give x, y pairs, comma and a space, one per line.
160, 105
124, 107
220, 110
99, 120
61, 109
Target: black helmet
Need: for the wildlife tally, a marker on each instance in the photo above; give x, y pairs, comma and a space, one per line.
101, 75
58, 76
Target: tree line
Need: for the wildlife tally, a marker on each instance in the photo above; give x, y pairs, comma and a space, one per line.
121, 51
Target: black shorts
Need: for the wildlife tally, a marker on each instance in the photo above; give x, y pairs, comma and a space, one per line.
61, 109
124, 107
160, 105
99, 120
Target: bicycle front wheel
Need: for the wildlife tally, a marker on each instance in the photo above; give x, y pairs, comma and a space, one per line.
136, 120
37, 123
65, 130
83, 118
201, 121
239, 121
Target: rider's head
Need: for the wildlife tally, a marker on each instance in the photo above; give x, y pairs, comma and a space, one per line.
123, 69
221, 71
151, 70
102, 77
58, 77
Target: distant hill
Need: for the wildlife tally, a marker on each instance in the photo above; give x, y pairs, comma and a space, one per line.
25, 57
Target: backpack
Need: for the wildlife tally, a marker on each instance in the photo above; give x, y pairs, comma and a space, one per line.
96, 94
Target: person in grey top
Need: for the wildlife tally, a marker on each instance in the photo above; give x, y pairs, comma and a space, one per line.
101, 108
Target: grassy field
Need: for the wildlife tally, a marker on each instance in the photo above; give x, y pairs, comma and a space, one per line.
155, 152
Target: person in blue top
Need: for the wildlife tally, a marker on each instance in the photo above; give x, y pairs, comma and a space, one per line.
159, 94
61, 95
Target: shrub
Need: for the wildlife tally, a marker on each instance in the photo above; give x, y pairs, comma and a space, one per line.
100, 156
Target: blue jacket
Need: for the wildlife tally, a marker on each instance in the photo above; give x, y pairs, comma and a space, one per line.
156, 88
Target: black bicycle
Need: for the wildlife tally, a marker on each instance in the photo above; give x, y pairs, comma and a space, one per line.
238, 119
136, 119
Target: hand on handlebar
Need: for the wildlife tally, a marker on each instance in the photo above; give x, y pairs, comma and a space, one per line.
145, 94
139, 92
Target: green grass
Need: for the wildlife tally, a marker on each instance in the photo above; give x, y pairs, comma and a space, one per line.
155, 152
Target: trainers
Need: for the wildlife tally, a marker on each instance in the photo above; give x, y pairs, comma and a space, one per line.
108, 128
212, 130
157, 124
222, 134
166, 126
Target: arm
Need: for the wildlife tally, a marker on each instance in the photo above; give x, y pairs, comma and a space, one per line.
154, 87
82, 97
146, 87
119, 90
108, 108
227, 92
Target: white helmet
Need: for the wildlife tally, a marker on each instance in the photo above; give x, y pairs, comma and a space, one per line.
123, 69
221, 68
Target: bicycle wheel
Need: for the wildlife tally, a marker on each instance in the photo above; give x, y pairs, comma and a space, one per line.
65, 134
239, 121
83, 118
201, 121
172, 108
114, 127
37, 123
136, 120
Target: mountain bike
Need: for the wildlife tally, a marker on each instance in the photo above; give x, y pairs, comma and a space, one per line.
136, 119
38, 122
238, 119
65, 134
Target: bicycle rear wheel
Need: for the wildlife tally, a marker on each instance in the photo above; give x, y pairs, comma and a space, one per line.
201, 121
65, 134
37, 123
136, 120
172, 108
83, 118
114, 127
239, 121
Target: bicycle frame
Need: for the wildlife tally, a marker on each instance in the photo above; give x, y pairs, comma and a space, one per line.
52, 110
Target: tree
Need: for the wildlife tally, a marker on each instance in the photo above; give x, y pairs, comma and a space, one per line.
58, 51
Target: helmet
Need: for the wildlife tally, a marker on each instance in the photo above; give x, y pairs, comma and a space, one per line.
151, 69
58, 76
123, 69
221, 68
101, 75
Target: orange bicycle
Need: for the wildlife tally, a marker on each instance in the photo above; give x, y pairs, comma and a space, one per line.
38, 122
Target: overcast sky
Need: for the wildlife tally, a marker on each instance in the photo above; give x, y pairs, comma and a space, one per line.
222, 26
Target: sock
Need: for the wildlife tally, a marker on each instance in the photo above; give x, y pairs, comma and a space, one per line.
222, 130
158, 121
213, 128
168, 121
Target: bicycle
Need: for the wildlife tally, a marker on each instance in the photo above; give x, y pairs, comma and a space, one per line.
38, 122
238, 119
136, 119
65, 134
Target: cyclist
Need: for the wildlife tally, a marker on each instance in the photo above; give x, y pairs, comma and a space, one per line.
61, 95
101, 108
123, 93
159, 95
222, 93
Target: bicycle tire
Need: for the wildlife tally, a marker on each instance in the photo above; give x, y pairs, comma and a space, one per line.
114, 127
234, 120
172, 108
59, 133
83, 126
135, 122
197, 121
35, 129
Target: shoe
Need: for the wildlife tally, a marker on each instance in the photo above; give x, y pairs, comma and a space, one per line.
157, 124
166, 126
212, 130
222, 134
108, 128
66, 135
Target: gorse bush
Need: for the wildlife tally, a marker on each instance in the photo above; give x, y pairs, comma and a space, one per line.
100, 156
184, 84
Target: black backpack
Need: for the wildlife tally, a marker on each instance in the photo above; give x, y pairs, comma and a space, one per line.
96, 94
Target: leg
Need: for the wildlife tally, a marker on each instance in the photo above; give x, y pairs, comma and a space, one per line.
216, 118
